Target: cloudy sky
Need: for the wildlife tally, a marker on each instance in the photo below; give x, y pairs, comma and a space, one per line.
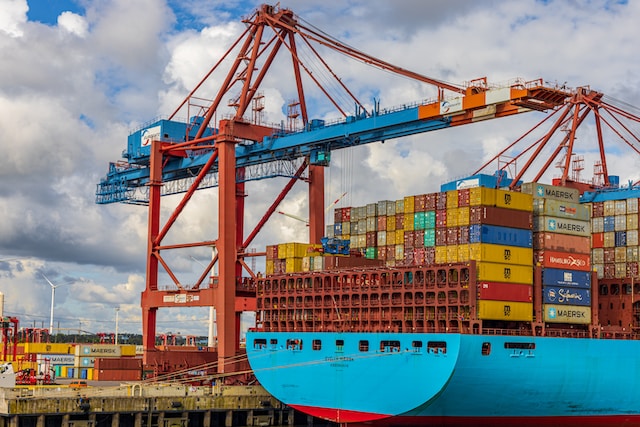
76, 76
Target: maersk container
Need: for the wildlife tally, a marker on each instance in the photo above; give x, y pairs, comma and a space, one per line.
566, 296
486, 252
561, 277
562, 225
556, 313
539, 191
506, 273
505, 291
497, 235
505, 310
561, 209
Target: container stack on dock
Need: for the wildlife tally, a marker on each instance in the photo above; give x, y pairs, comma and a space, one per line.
562, 233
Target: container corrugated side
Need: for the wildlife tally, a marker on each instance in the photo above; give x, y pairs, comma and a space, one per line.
505, 291
505, 310
563, 260
561, 209
497, 235
492, 215
571, 278
507, 273
556, 313
561, 242
500, 254
562, 225
539, 190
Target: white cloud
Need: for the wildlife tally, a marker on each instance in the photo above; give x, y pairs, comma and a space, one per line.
13, 16
73, 23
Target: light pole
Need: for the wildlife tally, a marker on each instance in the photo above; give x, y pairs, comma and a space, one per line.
116, 337
53, 295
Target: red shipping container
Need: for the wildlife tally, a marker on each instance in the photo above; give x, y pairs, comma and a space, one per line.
562, 242
463, 197
441, 237
609, 255
420, 203
399, 221
503, 217
418, 239
609, 271
409, 238
117, 374
441, 200
441, 218
419, 254
597, 209
563, 260
505, 291
371, 238
382, 223
337, 215
409, 258
346, 214
453, 236
464, 235
334, 262
597, 240
430, 202
632, 269
429, 256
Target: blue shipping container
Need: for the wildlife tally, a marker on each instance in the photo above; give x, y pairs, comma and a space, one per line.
572, 278
620, 238
609, 223
337, 229
566, 296
496, 235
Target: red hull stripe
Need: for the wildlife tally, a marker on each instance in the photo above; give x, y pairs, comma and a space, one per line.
582, 421
340, 415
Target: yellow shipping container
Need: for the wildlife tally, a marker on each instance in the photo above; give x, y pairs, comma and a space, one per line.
293, 265
482, 196
48, 348
391, 223
452, 217
409, 204
452, 253
463, 253
298, 250
441, 254
409, 224
391, 238
506, 273
514, 200
501, 254
505, 310
632, 221
566, 314
282, 251
463, 216
128, 350
399, 237
452, 199
269, 267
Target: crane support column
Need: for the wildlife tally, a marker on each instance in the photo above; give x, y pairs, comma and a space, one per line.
316, 203
149, 313
225, 292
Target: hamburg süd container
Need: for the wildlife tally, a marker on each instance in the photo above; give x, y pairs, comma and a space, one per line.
563, 260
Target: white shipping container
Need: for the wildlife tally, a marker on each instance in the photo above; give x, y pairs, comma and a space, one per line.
632, 237
620, 254
599, 268
620, 207
597, 225
620, 222
632, 221
318, 263
330, 230
382, 238
632, 205
632, 254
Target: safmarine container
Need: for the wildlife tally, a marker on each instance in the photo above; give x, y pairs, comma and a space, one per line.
572, 278
566, 296
497, 235
557, 313
505, 310
505, 291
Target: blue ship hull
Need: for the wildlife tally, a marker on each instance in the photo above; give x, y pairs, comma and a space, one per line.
451, 379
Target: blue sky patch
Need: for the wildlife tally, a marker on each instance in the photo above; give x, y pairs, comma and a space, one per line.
47, 11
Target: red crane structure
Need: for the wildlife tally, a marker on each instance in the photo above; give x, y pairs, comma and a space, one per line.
231, 146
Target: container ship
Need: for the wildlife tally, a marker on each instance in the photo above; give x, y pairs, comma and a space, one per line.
474, 305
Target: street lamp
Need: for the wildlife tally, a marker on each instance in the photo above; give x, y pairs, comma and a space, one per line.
116, 337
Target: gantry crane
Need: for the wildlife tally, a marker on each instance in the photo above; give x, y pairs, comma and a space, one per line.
170, 156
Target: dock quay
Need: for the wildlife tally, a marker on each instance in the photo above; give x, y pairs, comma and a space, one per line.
146, 405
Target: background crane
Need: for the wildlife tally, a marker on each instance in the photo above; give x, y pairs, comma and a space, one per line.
225, 150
